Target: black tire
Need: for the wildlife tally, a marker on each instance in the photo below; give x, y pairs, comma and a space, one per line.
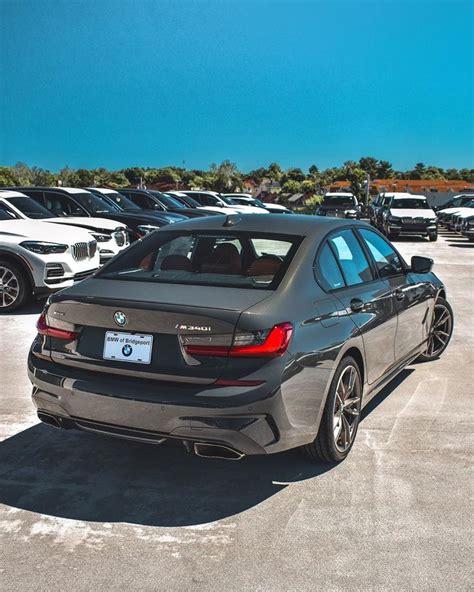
327, 447
437, 344
19, 287
433, 237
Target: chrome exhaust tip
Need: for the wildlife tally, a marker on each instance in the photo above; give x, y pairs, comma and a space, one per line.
206, 450
51, 420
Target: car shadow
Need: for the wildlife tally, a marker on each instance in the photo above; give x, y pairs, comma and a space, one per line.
79, 476
34, 306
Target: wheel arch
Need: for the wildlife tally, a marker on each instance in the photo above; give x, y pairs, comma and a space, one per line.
355, 353
21, 263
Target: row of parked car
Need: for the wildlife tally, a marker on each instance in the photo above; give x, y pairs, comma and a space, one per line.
399, 214
51, 237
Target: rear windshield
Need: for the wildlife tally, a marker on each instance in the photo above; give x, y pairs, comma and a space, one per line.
339, 200
240, 259
410, 204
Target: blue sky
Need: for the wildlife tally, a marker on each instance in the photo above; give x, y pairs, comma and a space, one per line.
127, 83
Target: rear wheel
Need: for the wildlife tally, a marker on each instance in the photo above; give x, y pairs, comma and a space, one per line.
440, 332
341, 415
433, 236
13, 286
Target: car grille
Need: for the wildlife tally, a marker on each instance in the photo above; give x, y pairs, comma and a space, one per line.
417, 221
120, 237
81, 251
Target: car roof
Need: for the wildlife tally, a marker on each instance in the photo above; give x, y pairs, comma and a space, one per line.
277, 224
408, 196
337, 193
101, 189
70, 190
10, 193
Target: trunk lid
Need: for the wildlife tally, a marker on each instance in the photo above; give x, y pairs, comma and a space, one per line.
162, 311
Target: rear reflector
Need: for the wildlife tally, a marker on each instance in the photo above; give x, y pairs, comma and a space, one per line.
44, 329
261, 344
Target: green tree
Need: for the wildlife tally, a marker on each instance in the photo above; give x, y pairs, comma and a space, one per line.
23, 174
384, 170
369, 165
227, 176
7, 177
356, 177
42, 177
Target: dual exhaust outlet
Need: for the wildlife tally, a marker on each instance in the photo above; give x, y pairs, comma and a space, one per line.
202, 449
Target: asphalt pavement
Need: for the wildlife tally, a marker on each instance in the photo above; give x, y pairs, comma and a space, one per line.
82, 512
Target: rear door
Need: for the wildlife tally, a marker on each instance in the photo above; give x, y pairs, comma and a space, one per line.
368, 301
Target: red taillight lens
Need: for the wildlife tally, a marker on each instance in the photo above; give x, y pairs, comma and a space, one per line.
45, 329
262, 344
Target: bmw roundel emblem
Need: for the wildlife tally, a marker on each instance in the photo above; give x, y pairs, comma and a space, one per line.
127, 350
120, 318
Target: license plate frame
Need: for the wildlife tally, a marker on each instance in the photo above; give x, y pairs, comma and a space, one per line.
139, 350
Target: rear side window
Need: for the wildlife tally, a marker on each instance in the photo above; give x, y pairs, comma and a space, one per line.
327, 269
240, 259
385, 257
351, 258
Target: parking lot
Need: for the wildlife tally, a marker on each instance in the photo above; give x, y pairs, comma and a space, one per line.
82, 512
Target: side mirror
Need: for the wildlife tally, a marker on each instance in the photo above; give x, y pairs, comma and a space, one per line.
421, 264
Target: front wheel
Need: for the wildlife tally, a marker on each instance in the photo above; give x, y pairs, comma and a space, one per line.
13, 286
341, 415
440, 331
433, 236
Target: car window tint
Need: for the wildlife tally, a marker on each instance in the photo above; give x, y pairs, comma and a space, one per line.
351, 257
386, 259
61, 205
328, 270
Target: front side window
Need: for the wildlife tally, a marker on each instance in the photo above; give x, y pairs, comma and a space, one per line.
6, 213
29, 207
351, 258
93, 204
240, 260
385, 257
60, 205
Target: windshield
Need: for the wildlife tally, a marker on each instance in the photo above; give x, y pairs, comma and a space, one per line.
410, 204
121, 201
339, 200
30, 207
239, 260
227, 200
93, 204
186, 200
6, 214
167, 200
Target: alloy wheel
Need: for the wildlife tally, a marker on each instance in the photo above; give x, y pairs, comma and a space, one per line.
9, 287
441, 329
346, 408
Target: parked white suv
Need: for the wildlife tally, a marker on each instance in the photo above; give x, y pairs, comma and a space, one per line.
218, 200
408, 214
40, 257
110, 235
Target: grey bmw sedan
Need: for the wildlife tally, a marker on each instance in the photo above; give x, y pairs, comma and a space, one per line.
238, 335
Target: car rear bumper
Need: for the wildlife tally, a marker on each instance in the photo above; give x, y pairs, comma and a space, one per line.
248, 419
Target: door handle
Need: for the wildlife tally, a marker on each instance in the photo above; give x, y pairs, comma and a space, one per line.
399, 294
356, 305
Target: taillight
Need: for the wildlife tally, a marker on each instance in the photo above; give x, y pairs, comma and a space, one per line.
45, 329
271, 343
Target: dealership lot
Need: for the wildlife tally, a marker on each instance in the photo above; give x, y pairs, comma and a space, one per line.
80, 511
